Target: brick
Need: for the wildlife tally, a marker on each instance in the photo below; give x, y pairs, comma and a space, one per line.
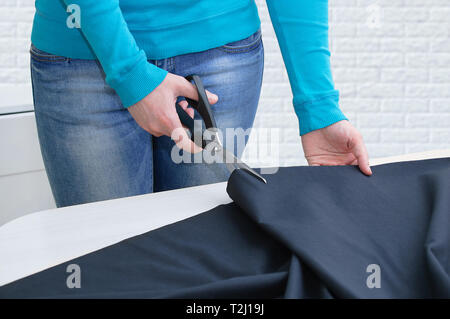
16, 14
428, 120
391, 14
440, 75
383, 149
381, 90
23, 61
25, 3
440, 136
7, 30
381, 3
427, 90
370, 135
404, 45
272, 60
440, 44
291, 135
380, 59
356, 74
415, 148
281, 121
274, 75
344, 3
342, 30
360, 105
378, 120
356, 44
385, 29
24, 30
346, 90
429, 3
404, 105
347, 15
343, 59
8, 3
404, 135
276, 89
439, 14
426, 30
7, 60
404, 75
270, 105
440, 106
352, 117
428, 60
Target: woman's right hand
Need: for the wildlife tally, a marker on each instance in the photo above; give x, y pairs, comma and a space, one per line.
156, 113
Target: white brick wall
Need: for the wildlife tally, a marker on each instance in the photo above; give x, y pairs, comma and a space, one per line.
394, 76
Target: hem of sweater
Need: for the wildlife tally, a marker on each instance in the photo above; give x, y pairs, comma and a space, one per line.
138, 82
319, 113
54, 37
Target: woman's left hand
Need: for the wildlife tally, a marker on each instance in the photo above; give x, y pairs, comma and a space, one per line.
337, 144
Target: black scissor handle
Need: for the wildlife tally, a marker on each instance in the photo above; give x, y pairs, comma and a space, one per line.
202, 106
185, 118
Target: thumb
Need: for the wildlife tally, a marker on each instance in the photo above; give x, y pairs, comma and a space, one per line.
182, 140
360, 152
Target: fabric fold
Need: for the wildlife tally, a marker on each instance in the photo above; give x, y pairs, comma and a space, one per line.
310, 232
339, 222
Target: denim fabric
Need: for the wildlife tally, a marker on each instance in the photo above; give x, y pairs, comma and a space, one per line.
94, 150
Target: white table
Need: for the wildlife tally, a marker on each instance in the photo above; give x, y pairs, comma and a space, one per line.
44, 239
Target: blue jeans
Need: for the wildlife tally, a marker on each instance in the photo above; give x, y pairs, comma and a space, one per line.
94, 150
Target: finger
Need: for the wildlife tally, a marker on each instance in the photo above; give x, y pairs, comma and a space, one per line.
182, 140
184, 104
331, 159
212, 98
179, 136
189, 110
311, 162
361, 155
187, 89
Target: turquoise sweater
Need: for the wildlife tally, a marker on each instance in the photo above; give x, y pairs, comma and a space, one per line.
123, 34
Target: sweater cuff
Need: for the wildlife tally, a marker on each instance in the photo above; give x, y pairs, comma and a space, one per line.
140, 81
318, 113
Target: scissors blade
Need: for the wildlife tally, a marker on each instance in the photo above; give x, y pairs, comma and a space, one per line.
232, 162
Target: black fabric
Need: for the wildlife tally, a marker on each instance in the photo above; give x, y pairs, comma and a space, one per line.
310, 232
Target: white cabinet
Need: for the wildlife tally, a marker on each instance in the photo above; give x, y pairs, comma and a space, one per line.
24, 186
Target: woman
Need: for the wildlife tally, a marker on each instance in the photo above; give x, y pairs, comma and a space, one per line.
106, 76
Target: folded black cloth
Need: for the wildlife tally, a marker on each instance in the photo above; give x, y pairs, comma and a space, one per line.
311, 232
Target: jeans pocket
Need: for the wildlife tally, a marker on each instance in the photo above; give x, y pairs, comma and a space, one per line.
43, 56
244, 45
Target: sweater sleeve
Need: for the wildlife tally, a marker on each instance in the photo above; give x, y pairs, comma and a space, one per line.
301, 27
126, 67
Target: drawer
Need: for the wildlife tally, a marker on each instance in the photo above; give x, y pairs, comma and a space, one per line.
24, 186
22, 194
19, 145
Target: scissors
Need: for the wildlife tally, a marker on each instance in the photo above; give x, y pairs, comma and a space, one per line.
214, 144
